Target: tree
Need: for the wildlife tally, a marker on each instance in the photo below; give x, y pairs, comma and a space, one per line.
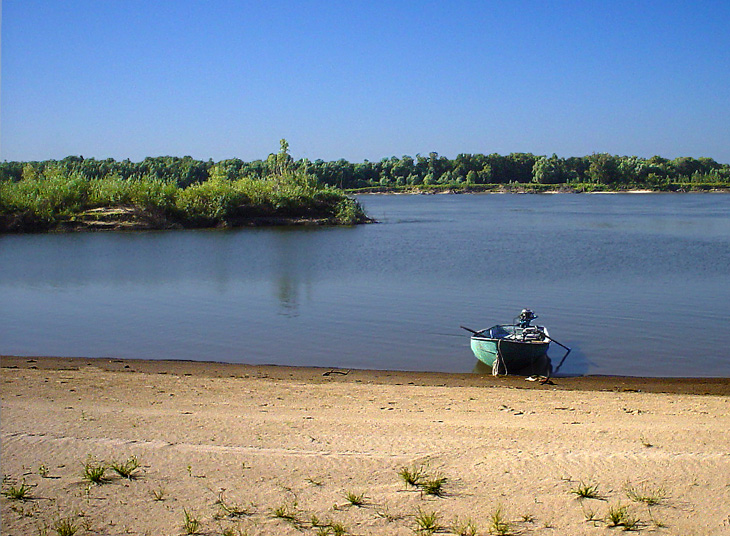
685, 166
708, 164
282, 162
520, 166
402, 168
576, 168
549, 170
631, 169
485, 175
603, 168
438, 165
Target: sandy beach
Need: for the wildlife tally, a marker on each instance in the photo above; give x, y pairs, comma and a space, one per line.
262, 450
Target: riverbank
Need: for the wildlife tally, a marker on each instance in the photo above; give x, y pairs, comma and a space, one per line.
536, 188
277, 450
65, 202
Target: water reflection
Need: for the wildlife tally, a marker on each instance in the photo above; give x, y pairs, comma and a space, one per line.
288, 295
575, 362
292, 258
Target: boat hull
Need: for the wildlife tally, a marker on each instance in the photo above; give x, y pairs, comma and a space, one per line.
515, 354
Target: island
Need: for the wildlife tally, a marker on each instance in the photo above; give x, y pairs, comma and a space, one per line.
79, 193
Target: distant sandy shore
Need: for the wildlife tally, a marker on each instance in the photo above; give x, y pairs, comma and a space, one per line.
282, 448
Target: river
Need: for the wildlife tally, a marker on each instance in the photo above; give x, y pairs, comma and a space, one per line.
636, 284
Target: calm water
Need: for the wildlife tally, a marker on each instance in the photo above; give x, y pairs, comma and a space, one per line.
636, 284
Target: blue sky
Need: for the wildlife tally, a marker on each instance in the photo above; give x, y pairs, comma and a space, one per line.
363, 80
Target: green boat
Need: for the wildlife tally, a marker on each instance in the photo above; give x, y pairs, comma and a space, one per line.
509, 348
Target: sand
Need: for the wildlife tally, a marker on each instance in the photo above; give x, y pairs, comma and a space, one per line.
283, 447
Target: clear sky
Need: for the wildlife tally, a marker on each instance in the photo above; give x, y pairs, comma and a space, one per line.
364, 79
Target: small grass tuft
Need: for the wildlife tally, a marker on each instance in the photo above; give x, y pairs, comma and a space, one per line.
412, 476
615, 515
619, 515
230, 509
287, 513
527, 518
126, 469
282, 512
466, 527
191, 524
159, 493
338, 529
385, 513
644, 494
94, 471
18, 493
328, 528
631, 523
434, 486
65, 526
498, 524
586, 491
590, 515
355, 499
427, 522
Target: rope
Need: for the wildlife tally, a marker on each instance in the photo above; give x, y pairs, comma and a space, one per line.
499, 361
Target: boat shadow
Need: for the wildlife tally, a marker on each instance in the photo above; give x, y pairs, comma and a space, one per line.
576, 364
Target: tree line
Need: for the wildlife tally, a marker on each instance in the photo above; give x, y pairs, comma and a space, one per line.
466, 169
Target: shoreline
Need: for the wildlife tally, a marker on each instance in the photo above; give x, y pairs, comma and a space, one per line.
715, 386
126, 219
523, 188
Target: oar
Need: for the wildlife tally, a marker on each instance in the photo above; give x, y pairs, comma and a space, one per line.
472, 331
556, 342
566, 353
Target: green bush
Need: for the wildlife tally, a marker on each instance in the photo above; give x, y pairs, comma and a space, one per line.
44, 200
210, 202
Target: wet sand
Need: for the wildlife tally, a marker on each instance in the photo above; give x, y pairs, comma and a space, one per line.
283, 447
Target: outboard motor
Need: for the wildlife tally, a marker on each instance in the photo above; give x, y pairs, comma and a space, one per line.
526, 316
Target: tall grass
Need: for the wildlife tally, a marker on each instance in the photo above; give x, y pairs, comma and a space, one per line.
43, 201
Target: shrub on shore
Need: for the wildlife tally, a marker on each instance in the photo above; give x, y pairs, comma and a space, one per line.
60, 200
